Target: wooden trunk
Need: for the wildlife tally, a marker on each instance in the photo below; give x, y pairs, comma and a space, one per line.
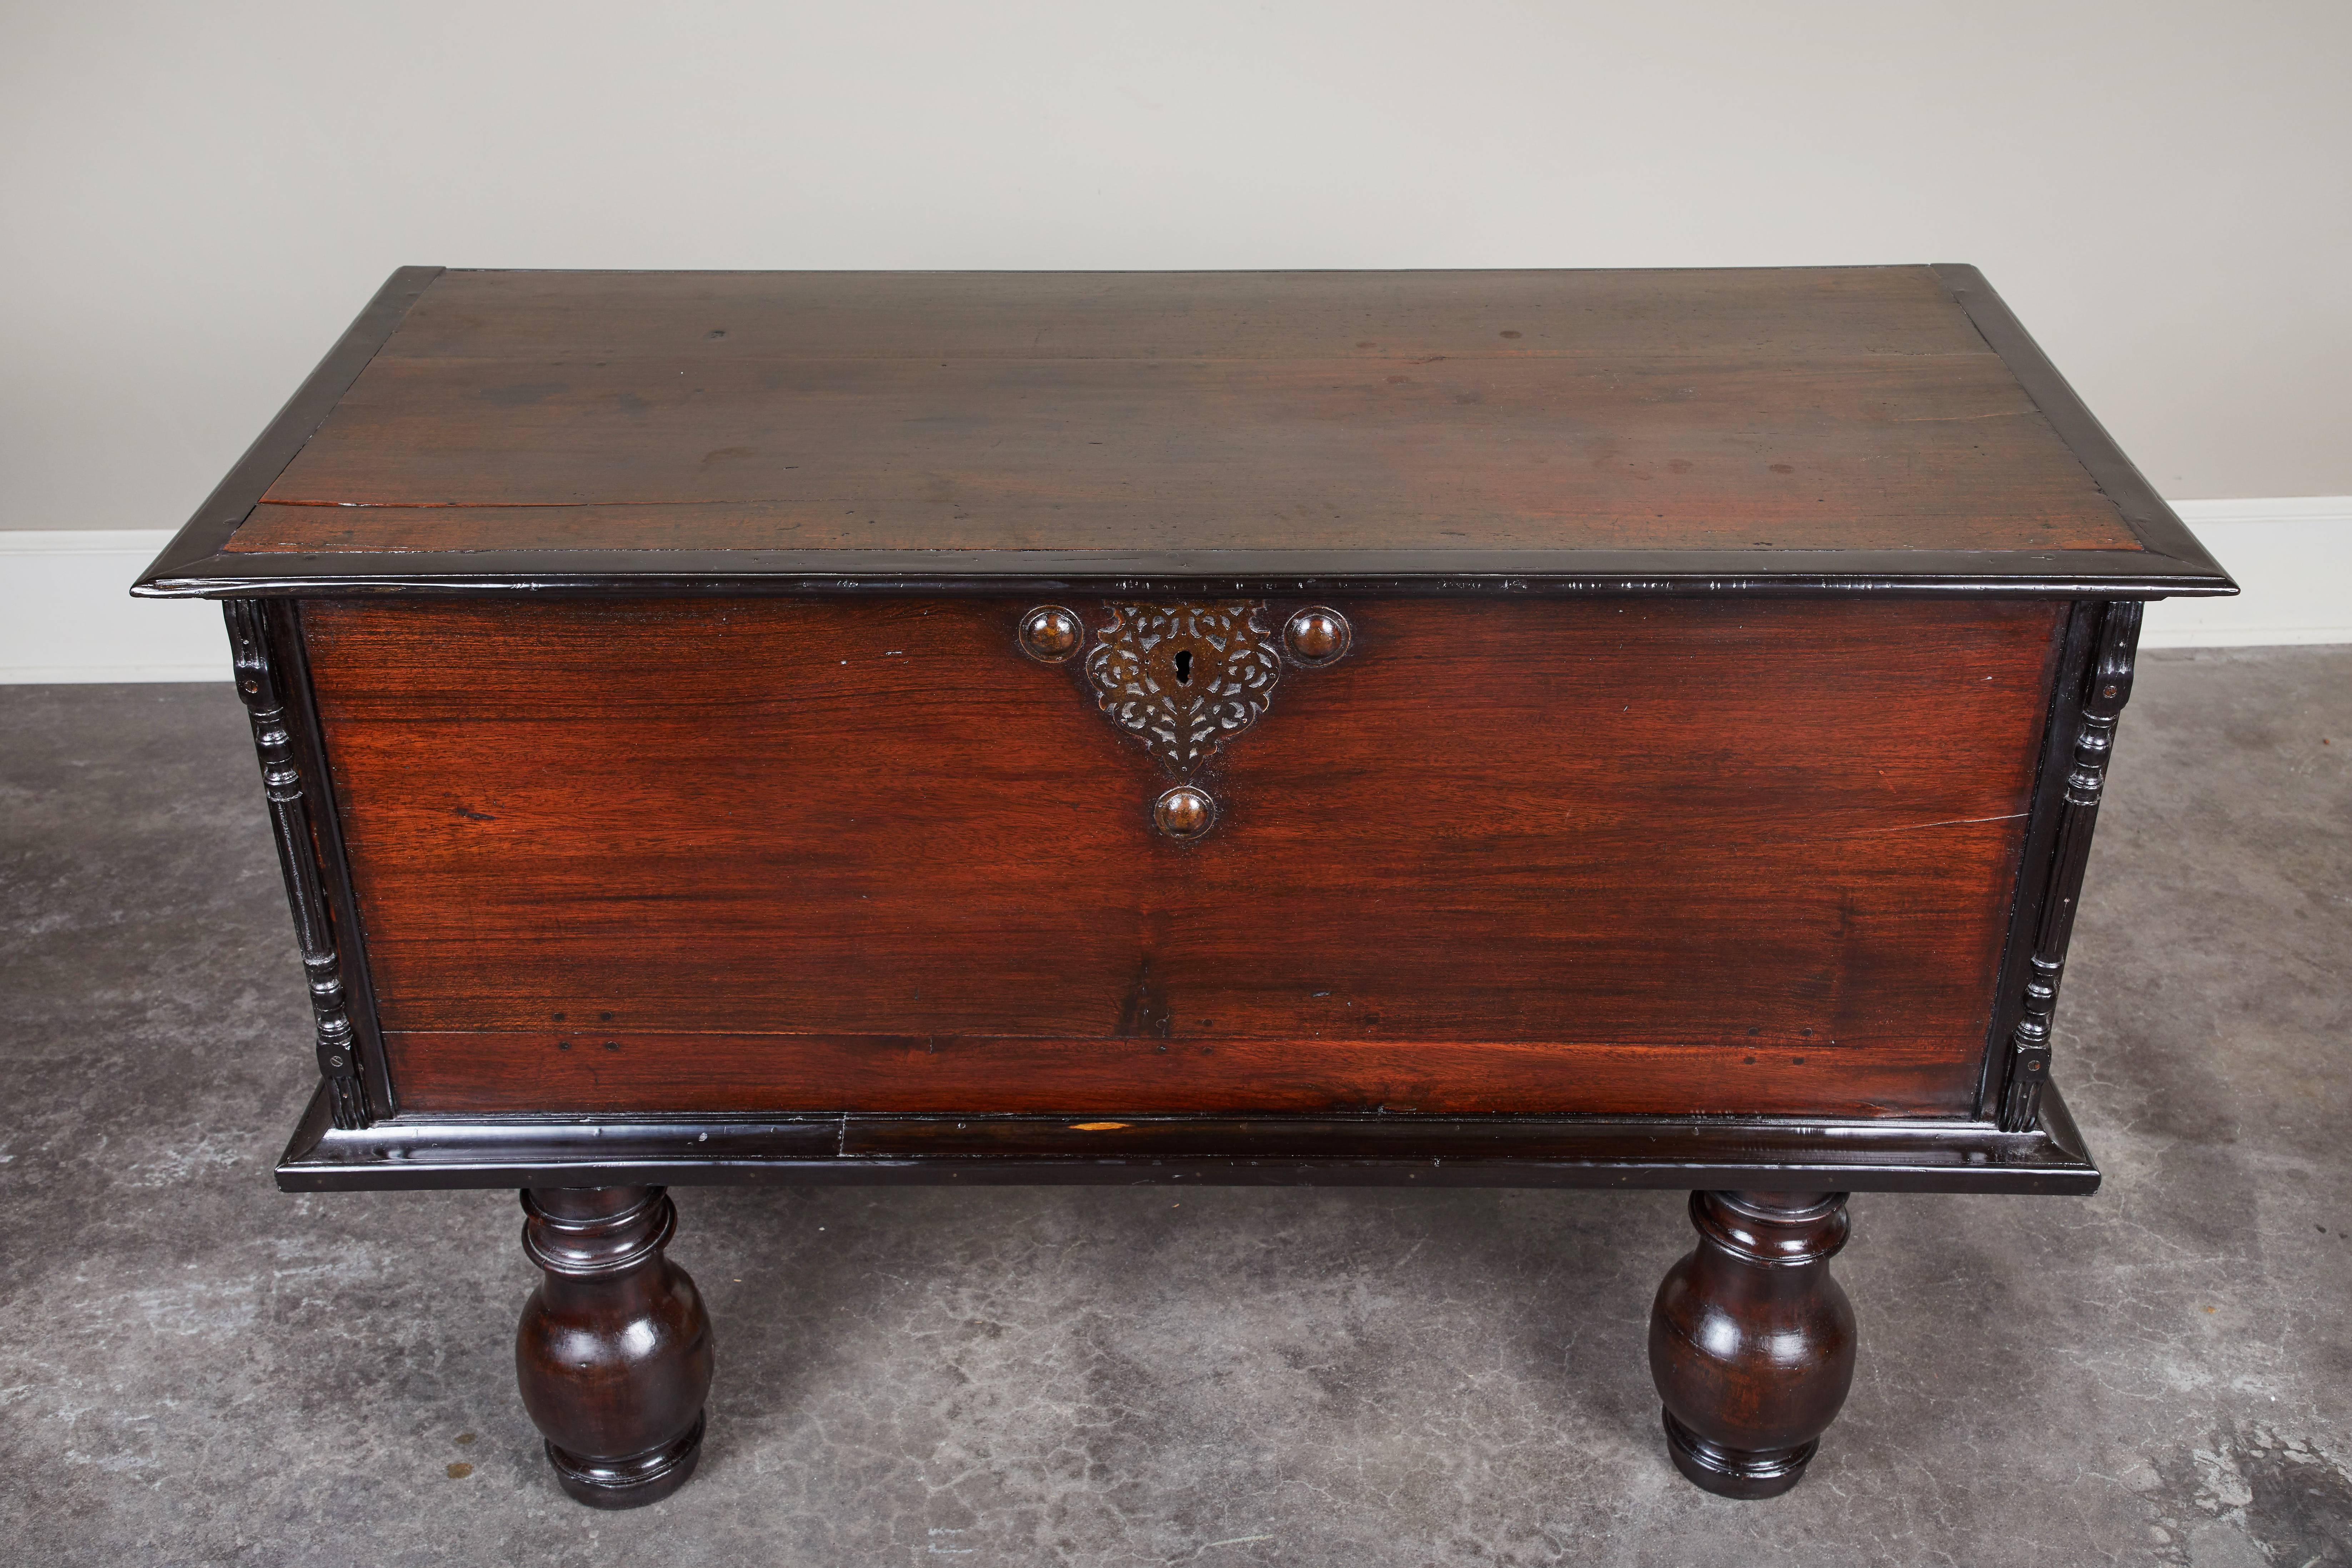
1538, 728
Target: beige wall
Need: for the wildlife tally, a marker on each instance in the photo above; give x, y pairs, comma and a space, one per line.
199, 195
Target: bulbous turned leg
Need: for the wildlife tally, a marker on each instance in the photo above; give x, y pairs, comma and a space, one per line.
614, 1354
1751, 1342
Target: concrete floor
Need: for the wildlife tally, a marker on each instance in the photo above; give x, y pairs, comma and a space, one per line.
195, 1368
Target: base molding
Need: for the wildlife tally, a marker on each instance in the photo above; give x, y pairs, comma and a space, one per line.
1644, 1152
1727, 1472
633, 1482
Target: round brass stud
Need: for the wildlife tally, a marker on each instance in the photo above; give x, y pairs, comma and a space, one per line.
1184, 812
1317, 634
1050, 634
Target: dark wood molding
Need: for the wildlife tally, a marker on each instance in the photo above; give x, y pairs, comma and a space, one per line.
325, 812
2107, 688
1881, 1155
1237, 574
2077, 635
261, 684
198, 545
2145, 512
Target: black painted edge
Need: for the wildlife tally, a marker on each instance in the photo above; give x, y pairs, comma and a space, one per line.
1671, 1153
324, 807
2063, 720
2107, 574
2056, 1123
203, 536
2145, 512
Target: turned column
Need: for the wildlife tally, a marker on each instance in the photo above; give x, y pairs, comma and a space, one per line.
614, 1354
1751, 1342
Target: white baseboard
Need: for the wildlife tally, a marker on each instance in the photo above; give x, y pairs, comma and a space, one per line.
2292, 556
66, 614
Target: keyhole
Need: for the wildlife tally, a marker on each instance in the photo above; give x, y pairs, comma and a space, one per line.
1185, 666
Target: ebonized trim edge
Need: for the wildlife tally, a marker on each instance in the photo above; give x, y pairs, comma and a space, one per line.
2064, 574
2105, 688
262, 684
325, 812
1671, 1153
2076, 633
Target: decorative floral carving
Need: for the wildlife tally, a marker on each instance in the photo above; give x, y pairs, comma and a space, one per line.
1185, 678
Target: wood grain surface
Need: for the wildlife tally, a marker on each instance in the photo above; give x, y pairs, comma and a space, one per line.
1636, 856
1853, 408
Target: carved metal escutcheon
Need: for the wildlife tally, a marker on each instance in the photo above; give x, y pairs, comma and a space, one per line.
1186, 678
1183, 679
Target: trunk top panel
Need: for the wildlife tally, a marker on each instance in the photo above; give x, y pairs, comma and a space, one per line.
1804, 429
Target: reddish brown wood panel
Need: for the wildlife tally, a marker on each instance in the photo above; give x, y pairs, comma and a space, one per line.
1815, 409
589, 1072
1651, 836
